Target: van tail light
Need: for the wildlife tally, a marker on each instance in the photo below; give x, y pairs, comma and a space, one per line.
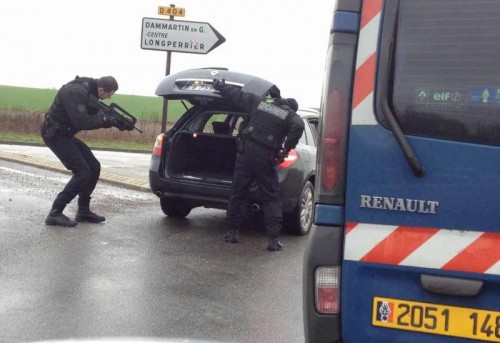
334, 136
289, 160
157, 149
327, 290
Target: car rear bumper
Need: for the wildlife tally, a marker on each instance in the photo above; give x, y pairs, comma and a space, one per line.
216, 195
194, 192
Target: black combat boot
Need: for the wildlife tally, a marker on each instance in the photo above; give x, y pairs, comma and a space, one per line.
88, 216
231, 236
84, 214
273, 244
56, 217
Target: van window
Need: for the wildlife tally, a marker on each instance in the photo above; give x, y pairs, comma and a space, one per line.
443, 77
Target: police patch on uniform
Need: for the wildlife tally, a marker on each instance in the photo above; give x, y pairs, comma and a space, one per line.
273, 109
385, 311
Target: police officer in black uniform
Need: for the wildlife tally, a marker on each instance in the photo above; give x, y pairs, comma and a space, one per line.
271, 130
73, 110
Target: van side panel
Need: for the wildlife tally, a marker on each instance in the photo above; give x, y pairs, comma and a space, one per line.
402, 229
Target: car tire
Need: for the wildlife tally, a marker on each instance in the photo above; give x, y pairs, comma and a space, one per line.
300, 220
174, 208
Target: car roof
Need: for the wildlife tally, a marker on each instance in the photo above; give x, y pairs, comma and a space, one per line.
308, 112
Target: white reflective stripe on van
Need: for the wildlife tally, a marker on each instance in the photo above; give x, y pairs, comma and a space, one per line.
359, 246
495, 269
432, 253
454, 250
363, 113
368, 40
364, 83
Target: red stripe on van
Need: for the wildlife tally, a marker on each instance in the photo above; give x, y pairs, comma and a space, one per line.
349, 226
399, 245
364, 80
479, 256
370, 9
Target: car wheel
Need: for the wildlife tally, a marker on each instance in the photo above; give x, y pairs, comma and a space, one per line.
300, 220
174, 208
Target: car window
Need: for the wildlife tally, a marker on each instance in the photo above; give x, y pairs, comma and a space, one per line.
303, 138
239, 120
307, 136
216, 122
310, 135
313, 124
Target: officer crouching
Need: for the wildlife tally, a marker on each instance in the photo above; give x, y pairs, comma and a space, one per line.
271, 130
73, 110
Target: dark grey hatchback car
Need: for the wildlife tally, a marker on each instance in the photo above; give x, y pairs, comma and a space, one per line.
192, 164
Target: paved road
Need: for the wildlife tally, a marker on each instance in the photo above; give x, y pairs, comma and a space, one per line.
139, 274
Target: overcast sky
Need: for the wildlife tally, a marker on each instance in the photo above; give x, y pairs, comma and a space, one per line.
45, 43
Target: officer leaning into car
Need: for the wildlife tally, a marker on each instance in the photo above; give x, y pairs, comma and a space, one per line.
73, 110
271, 130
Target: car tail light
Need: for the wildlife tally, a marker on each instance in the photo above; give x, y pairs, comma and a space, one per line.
327, 289
289, 160
158, 145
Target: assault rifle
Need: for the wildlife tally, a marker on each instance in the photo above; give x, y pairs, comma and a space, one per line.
119, 114
123, 119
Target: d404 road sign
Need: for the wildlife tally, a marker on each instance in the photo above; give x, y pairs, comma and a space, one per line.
181, 36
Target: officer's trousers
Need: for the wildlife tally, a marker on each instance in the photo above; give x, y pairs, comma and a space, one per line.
250, 166
77, 157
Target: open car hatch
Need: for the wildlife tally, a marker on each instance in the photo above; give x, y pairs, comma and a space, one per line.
196, 84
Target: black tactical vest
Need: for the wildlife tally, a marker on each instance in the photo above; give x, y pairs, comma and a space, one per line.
268, 124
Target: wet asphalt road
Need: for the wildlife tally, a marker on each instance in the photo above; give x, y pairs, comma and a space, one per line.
139, 274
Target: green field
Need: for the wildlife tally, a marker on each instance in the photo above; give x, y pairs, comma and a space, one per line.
39, 100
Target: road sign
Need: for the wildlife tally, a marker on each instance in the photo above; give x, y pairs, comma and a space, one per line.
181, 36
172, 11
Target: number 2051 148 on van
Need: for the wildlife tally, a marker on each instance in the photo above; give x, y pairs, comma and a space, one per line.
405, 245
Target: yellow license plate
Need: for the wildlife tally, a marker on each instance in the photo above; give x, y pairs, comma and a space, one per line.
436, 319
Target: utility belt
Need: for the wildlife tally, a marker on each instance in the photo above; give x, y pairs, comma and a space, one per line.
247, 145
52, 129
266, 142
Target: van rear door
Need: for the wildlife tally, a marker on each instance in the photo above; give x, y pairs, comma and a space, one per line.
421, 258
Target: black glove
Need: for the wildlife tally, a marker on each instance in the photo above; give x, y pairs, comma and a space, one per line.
108, 121
280, 156
124, 125
218, 83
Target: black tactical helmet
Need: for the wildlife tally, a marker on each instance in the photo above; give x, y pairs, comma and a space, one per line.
292, 103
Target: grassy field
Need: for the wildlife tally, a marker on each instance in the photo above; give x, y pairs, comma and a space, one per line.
22, 110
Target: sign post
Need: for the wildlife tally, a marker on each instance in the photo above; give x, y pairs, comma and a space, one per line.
178, 36
164, 112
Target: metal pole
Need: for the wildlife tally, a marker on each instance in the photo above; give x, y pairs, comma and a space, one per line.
165, 101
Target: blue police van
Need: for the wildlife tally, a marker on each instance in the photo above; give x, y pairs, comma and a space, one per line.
405, 245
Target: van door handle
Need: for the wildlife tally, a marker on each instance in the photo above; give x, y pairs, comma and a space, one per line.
451, 286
